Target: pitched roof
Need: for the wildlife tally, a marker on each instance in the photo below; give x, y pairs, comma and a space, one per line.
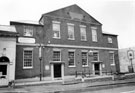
6, 30
26, 22
65, 12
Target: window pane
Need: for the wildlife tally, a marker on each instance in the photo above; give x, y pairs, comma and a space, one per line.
111, 57
70, 31
94, 35
95, 56
84, 58
56, 55
71, 58
83, 33
56, 30
27, 58
28, 31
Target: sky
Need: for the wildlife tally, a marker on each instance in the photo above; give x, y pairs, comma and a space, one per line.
117, 16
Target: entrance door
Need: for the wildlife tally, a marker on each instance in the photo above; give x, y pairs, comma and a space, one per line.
97, 68
3, 75
57, 70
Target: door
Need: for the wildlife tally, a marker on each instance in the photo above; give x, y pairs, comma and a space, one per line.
57, 70
3, 75
97, 68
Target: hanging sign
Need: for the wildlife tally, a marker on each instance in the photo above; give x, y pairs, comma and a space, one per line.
130, 54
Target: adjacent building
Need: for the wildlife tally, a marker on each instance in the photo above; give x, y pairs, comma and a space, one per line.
8, 37
63, 42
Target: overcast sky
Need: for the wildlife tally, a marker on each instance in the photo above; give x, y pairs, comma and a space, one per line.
117, 16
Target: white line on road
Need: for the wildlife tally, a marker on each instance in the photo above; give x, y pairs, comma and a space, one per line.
129, 91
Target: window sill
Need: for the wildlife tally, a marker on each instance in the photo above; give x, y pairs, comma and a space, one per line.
112, 64
70, 39
71, 66
83, 40
27, 67
56, 37
84, 65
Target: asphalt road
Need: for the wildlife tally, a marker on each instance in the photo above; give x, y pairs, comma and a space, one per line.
75, 88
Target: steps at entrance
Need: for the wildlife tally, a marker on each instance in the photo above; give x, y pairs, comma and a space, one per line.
71, 81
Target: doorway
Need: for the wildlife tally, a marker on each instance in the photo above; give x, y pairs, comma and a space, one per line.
57, 70
97, 68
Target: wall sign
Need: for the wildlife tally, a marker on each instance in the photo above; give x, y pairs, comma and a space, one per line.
47, 67
26, 40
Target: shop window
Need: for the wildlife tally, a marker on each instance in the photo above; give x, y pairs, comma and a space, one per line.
28, 58
56, 29
71, 58
28, 31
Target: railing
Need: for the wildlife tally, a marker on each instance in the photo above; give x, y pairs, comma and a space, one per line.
89, 73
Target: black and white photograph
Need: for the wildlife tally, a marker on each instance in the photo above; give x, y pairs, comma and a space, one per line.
67, 46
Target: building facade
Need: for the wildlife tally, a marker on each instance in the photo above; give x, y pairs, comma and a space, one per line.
7, 54
64, 42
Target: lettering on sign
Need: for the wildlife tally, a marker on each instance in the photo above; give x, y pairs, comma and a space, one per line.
26, 40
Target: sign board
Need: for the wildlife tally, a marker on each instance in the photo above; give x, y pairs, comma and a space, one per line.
26, 40
47, 67
130, 54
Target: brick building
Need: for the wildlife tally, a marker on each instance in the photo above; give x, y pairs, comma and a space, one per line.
68, 40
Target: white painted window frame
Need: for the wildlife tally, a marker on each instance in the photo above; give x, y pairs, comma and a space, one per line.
56, 49
58, 23
26, 29
72, 50
29, 49
83, 27
87, 58
94, 34
110, 40
112, 52
71, 25
98, 55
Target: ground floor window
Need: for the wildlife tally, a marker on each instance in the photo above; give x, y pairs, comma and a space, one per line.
84, 59
111, 58
95, 56
27, 58
56, 56
71, 58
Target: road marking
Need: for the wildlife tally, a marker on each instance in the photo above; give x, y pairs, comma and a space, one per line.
129, 91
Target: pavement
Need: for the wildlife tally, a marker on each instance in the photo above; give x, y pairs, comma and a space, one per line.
91, 81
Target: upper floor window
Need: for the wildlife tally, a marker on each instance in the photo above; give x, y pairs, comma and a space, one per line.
56, 55
109, 40
83, 33
95, 56
71, 31
56, 29
28, 58
111, 58
28, 31
84, 59
71, 58
94, 34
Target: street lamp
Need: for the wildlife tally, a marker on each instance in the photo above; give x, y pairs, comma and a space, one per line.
130, 54
40, 59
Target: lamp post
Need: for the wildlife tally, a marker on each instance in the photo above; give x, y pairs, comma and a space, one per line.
40, 59
130, 54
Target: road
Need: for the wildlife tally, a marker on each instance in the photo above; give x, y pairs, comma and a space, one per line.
75, 88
